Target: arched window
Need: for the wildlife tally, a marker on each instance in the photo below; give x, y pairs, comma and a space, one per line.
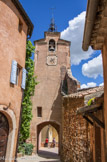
51, 45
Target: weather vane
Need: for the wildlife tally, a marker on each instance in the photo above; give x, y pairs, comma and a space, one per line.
52, 27
53, 8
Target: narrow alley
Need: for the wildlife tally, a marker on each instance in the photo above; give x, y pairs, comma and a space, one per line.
53, 81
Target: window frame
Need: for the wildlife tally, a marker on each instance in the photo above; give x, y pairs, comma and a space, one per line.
50, 44
39, 111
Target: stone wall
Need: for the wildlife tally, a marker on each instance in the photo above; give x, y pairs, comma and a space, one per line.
76, 138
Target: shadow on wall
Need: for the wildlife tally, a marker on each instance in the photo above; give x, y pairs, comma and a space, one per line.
56, 113
67, 85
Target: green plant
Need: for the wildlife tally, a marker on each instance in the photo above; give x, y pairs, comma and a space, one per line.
90, 102
28, 149
29, 91
25, 149
21, 149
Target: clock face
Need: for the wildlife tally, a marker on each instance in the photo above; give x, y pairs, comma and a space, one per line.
52, 60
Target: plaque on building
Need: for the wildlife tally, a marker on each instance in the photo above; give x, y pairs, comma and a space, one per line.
52, 60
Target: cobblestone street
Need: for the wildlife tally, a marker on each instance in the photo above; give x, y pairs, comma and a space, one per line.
44, 155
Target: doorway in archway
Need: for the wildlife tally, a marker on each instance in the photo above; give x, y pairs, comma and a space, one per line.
4, 131
48, 139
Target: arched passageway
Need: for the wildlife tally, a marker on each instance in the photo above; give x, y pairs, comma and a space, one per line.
51, 131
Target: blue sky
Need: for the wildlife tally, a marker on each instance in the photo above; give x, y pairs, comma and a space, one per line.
69, 17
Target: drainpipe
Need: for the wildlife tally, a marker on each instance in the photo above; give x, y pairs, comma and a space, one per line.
89, 22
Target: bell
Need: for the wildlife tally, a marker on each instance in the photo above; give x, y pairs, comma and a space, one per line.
51, 48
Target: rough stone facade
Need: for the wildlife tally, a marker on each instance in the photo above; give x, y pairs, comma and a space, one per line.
75, 140
78, 134
12, 47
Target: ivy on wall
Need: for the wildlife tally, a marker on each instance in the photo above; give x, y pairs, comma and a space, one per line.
29, 91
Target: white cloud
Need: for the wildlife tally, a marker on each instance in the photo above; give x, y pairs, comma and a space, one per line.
101, 84
91, 84
93, 68
74, 33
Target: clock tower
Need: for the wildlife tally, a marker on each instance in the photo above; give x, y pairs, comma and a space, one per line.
52, 68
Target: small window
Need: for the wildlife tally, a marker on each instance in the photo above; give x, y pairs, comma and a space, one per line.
39, 111
20, 27
52, 45
18, 76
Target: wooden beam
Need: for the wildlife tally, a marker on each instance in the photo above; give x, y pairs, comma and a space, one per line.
100, 123
85, 117
91, 108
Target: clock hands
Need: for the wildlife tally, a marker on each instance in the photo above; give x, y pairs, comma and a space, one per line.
52, 60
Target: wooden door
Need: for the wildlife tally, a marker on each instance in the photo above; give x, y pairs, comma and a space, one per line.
4, 130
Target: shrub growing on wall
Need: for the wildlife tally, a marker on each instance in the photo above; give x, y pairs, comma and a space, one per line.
29, 91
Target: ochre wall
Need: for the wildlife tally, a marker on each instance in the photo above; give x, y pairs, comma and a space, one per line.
12, 47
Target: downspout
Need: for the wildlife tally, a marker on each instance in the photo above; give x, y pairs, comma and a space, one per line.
89, 22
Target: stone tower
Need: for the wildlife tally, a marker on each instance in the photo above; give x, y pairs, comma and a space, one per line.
52, 63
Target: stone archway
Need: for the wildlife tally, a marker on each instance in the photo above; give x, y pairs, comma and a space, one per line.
9, 114
4, 131
42, 125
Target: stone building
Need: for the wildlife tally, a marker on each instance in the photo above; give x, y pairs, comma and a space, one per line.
93, 113
52, 66
15, 26
82, 136
95, 35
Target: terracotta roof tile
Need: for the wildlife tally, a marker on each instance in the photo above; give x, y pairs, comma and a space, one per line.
84, 92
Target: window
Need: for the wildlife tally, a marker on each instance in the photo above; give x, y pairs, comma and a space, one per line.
39, 111
18, 75
20, 27
52, 45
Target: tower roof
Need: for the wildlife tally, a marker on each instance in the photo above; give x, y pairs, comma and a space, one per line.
52, 27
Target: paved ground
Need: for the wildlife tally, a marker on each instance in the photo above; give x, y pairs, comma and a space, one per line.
44, 155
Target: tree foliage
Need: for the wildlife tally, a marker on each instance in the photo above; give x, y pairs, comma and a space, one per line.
91, 101
29, 91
